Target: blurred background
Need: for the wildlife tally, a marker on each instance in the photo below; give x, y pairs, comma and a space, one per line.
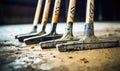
23, 11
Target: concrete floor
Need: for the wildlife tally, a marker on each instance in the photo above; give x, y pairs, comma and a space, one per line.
9, 31
32, 58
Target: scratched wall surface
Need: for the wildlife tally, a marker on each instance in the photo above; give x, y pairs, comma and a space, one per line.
22, 11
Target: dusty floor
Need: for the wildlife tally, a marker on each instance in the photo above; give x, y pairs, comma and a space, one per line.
16, 56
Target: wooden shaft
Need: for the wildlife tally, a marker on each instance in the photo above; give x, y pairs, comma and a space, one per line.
90, 12
37, 13
71, 11
56, 11
89, 26
46, 11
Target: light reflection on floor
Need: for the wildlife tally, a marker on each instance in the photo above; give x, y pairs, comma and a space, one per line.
11, 30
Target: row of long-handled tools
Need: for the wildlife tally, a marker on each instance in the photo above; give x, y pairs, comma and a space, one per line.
67, 41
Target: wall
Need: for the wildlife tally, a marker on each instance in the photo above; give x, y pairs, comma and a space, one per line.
22, 11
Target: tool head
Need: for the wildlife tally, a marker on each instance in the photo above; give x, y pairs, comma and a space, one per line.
34, 30
81, 45
53, 43
37, 39
22, 37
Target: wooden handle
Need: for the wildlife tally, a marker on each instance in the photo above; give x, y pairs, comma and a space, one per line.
71, 11
37, 14
56, 11
90, 11
46, 11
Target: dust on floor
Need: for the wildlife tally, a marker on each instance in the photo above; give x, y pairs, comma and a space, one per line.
15, 56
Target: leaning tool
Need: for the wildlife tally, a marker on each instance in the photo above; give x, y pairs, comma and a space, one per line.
52, 34
68, 35
35, 22
89, 41
43, 23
